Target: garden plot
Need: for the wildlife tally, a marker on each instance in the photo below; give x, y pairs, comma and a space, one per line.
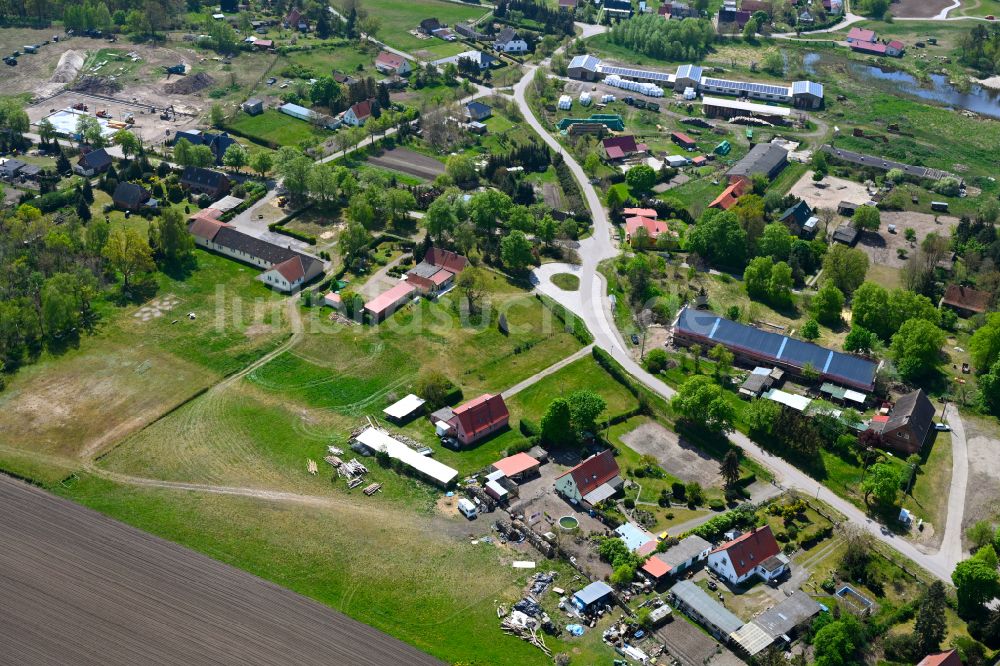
685, 461
983, 441
408, 161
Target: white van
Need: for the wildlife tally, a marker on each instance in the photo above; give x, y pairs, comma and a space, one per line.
467, 508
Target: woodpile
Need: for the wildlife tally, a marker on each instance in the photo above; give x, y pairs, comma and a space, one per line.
372, 489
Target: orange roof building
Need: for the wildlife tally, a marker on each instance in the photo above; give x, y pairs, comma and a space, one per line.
737, 188
389, 301
653, 228
516, 466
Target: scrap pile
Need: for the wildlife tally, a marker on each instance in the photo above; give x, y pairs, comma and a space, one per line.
352, 471
524, 626
541, 582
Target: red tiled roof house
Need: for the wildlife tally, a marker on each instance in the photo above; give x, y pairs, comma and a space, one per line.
750, 554
966, 301
357, 115
653, 228
437, 271
595, 479
620, 147
479, 418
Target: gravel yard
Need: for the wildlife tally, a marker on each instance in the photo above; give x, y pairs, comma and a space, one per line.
683, 460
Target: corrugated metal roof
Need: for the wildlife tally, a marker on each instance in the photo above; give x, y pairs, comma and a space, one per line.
708, 608
837, 366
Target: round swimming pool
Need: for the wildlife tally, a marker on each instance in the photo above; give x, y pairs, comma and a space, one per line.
569, 522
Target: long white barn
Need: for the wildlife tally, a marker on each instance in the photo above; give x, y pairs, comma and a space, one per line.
800, 94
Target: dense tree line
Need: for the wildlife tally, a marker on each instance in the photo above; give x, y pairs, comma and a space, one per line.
980, 48
649, 34
554, 21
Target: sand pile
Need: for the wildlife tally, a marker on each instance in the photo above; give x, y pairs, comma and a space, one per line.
187, 85
68, 67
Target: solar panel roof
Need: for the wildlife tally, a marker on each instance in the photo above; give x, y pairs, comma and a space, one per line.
810, 87
635, 73
759, 88
689, 72
831, 364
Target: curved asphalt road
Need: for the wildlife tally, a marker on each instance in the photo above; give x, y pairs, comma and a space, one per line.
591, 304
77, 587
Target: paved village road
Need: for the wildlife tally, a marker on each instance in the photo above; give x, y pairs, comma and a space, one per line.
592, 305
78, 587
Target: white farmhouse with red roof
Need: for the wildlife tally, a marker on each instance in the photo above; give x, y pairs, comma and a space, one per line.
392, 63
753, 553
595, 479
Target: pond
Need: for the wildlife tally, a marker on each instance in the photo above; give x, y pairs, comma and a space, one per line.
978, 98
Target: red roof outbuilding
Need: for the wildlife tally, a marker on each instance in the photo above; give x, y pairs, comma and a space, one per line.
516, 464
949, 658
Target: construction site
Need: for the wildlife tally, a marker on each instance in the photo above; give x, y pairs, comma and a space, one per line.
152, 124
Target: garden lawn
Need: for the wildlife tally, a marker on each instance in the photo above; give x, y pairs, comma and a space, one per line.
275, 127
531, 404
399, 18
342, 55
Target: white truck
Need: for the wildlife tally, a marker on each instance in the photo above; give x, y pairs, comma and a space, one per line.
467, 508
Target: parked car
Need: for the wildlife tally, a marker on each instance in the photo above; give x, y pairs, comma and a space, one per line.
635, 338
712, 586
271, 81
942, 427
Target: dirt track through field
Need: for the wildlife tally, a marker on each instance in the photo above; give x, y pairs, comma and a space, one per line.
77, 587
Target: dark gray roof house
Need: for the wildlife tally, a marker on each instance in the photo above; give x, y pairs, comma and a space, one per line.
909, 422
788, 614
764, 158
96, 161
204, 181
10, 168
477, 111
130, 196
30, 171
253, 106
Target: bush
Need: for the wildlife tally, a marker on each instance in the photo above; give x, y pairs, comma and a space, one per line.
629, 503
716, 504
677, 488
529, 428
